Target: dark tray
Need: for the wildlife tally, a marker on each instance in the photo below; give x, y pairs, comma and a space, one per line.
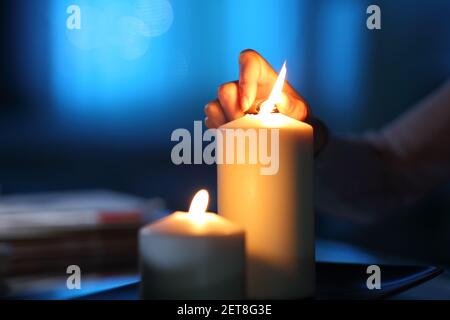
334, 281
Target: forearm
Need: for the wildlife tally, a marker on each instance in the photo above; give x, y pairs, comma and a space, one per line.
385, 171
419, 142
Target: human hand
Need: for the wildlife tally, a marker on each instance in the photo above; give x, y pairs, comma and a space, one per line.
256, 79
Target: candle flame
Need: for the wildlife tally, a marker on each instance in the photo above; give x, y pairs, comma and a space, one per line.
199, 203
268, 106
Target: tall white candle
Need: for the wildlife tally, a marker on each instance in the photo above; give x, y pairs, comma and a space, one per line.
275, 210
192, 255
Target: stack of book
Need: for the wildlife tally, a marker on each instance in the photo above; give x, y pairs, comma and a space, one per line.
42, 234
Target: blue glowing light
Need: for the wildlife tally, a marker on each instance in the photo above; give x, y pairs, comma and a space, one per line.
91, 285
116, 63
144, 67
338, 66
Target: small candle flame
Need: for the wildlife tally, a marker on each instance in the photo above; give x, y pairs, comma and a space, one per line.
199, 203
268, 106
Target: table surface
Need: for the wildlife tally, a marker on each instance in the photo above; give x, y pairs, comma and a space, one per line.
435, 289
326, 250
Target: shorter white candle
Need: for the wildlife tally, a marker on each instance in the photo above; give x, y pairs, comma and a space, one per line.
192, 255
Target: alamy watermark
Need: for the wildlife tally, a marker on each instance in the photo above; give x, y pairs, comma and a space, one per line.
73, 281
254, 146
374, 280
373, 21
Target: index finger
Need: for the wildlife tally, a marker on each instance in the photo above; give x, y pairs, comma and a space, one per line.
249, 74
